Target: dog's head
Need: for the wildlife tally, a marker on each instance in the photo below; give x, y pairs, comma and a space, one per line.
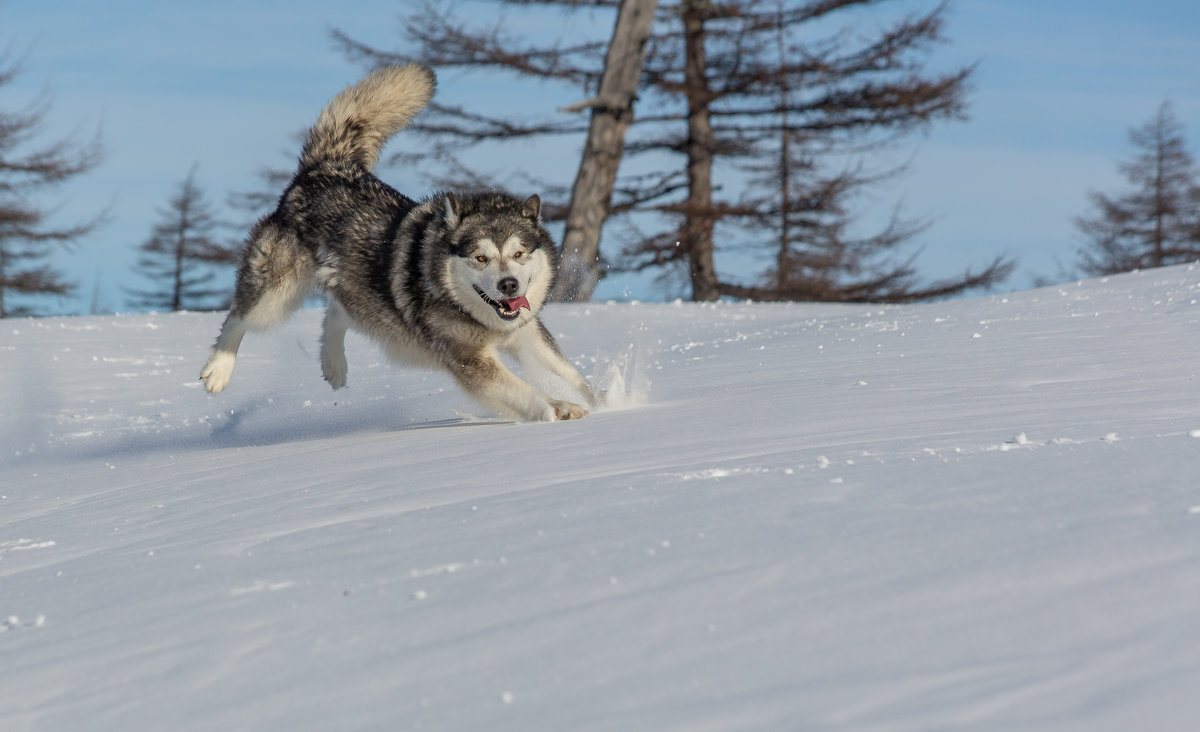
502, 260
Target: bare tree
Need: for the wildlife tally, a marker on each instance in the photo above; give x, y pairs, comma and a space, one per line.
1157, 222
780, 100
804, 185
180, 254
28, 238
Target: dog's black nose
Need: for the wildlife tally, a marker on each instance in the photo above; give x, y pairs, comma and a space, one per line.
508, 286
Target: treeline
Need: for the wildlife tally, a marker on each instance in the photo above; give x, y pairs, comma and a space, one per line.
752, 127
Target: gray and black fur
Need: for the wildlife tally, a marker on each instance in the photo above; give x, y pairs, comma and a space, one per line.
448, 282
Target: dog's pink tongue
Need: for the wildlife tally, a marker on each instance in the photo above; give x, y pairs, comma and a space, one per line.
513, 303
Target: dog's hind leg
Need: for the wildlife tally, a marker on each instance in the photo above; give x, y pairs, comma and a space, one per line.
333, 345
219, 369
275, 275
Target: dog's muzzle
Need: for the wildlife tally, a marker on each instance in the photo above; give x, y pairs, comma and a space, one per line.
508, 308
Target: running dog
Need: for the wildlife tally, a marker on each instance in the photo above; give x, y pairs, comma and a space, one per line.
449, 282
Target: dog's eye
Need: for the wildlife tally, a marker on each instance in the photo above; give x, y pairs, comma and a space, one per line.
518, 255
481, 259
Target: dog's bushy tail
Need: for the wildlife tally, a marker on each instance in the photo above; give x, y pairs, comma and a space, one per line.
358, 121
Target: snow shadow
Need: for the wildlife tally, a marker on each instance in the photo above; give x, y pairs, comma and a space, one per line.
255, 423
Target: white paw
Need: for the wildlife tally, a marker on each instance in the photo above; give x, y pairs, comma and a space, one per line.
567, 410
334, 368
218, 371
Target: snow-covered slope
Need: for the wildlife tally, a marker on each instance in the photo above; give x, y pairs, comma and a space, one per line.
978, 514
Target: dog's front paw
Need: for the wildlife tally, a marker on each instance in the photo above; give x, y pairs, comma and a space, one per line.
218, 371
567, 410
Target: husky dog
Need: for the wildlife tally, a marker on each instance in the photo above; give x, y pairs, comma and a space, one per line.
449, 282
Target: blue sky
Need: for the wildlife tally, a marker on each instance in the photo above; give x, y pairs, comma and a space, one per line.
227, 85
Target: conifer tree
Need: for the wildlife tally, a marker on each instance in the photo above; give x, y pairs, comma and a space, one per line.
29, 231
182, 254
1157, 221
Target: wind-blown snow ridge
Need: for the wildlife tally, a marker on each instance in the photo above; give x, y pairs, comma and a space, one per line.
978, 514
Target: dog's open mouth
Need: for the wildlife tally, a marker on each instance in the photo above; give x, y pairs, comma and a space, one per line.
508, 308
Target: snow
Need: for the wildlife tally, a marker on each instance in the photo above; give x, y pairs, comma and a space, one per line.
977, 514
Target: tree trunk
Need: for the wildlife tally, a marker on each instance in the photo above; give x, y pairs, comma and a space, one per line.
783, 263
698, 224
180, 249
1160, 161
612, 112
3, 281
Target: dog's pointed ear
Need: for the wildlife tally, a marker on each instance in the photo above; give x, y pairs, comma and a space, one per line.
532, 208
453, 211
